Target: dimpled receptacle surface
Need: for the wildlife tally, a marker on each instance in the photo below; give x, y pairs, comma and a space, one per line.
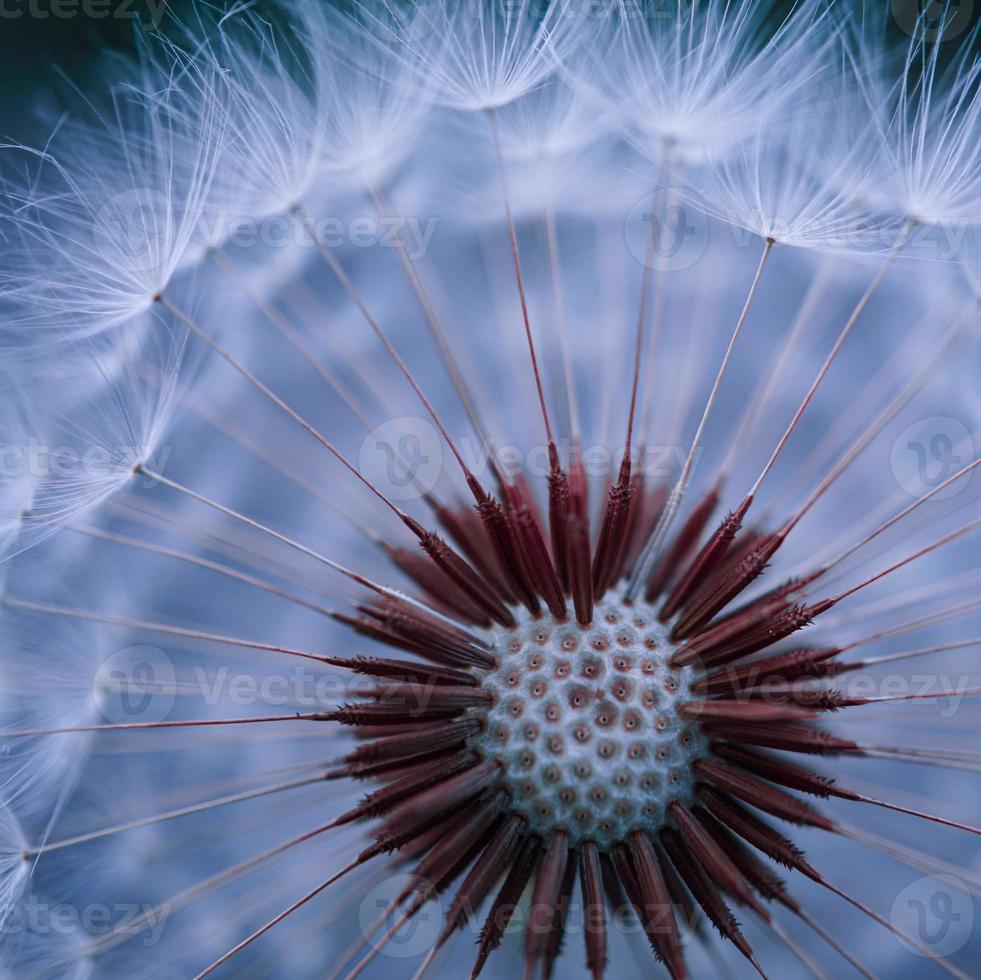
585, 723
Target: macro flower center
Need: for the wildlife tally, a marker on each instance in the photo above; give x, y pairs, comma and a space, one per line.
585, 723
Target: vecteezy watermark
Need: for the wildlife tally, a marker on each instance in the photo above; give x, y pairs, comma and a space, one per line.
933, 20
136, 230
40, 461
138, 684
297, 688
943, 692
37, 918
665, 233
381, 911
937, 912
410, 232
150, 12
404, 458
135, 685
133, 229
928, 453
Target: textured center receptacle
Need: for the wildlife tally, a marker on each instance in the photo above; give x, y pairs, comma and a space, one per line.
585, 723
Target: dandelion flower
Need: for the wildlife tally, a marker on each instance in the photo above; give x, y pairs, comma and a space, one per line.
547, 548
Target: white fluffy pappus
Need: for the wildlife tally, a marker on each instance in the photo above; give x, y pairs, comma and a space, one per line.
924, 106
697, 78
65, 459
475, 55
91, 247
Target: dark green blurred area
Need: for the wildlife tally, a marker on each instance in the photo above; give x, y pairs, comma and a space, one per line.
40, 38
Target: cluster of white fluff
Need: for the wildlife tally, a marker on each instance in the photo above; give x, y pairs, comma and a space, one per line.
196, 260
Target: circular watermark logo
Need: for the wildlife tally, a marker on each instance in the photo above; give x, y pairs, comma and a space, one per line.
665, 233
132, 229
933, 20
929, 452
403, 457
380, 911
935, 911
136, 684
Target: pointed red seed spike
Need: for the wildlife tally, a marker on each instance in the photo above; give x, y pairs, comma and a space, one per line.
745, 542
753, 829
445, 860
510, 558
623, 879
367, 626
689, 911
713, 859
557, 934
397, 768
405, 670
390, 626
506, 901
635, 517
444, 796
787, 738
789, 666
815, 700
706, 562
780, 596
367, 732
464, 527
381, 714
441, 628
683, 545
643, 521
763, 878
440, 639
408, 746
394, 793
705, 893
580, 549
743, 711
613, 886
660, 922
418, 840
498, 855
543, 910
761, 795
719, 589
610, 543
440, 590
467, 579
780, 771
756, 629
558, 520
453, 851
534, 550
594, 909
413, 697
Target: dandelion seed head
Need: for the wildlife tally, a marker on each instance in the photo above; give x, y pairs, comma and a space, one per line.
701, 77
926, 120
474, 56
528, 513
96, 245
